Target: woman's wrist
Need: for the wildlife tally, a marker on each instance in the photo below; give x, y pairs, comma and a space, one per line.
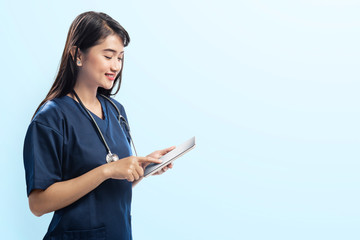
106, 171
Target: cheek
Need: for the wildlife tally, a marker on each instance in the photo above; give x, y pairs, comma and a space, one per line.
97, 67
102, 66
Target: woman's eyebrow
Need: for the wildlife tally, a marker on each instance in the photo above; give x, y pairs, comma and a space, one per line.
111, 50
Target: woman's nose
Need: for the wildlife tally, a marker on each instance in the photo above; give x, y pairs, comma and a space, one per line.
116, 65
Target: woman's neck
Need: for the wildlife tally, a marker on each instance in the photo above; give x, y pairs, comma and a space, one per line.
86, 94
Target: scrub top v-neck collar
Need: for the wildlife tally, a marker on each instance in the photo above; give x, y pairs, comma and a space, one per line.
103, 123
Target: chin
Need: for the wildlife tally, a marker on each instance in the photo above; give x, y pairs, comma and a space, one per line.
107, 86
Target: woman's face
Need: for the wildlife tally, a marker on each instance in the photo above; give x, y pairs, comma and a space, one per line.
102, 63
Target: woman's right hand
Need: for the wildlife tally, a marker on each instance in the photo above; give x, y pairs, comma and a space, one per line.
128, 168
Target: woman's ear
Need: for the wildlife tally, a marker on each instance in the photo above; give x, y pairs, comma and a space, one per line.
78, 57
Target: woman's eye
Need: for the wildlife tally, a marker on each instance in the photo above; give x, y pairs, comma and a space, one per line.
120, 59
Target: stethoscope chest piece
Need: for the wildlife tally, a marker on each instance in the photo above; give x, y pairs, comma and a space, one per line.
111, 157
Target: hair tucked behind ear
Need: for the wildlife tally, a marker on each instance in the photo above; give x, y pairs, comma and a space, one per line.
87, 30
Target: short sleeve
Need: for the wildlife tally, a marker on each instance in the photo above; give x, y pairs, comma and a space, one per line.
42, 155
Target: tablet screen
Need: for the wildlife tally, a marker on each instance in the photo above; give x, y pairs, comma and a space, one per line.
170, 156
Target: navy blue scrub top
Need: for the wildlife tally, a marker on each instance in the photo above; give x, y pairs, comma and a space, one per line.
62, 143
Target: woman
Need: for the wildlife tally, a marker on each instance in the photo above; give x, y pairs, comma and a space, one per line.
69, 166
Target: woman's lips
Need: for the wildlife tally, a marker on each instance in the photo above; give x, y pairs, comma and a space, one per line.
110, 76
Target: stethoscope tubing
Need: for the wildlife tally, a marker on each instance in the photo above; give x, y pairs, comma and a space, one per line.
120, 117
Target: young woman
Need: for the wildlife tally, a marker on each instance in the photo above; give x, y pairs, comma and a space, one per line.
77, 154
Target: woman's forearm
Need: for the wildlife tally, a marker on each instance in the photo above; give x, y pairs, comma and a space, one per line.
62, 194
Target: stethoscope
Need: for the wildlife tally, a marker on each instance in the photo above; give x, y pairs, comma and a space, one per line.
110, 157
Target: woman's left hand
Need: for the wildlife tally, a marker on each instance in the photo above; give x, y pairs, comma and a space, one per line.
158, 154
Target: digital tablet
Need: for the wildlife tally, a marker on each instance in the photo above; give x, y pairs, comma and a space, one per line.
177, 152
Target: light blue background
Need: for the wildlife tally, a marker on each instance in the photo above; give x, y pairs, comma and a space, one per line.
270, 89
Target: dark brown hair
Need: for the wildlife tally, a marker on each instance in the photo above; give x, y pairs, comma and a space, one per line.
88, 29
